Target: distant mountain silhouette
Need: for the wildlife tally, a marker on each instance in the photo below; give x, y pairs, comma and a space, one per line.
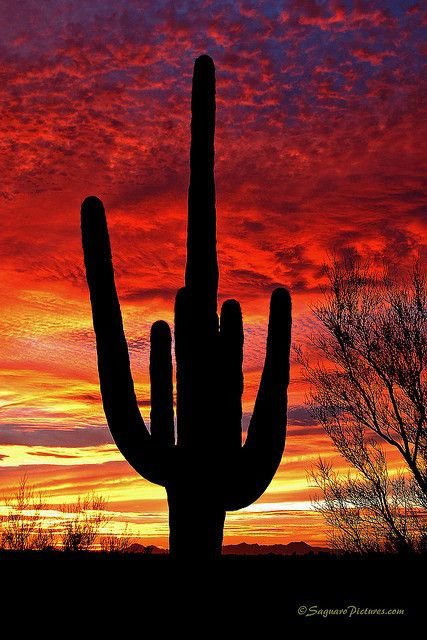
293, 548
149, 549
246, 549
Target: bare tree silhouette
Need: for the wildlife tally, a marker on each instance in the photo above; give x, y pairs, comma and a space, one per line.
372, 393
370, 511
207, 471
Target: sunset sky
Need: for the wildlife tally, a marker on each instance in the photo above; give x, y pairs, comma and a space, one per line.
320, 146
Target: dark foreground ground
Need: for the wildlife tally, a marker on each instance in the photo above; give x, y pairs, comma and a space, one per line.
97, 593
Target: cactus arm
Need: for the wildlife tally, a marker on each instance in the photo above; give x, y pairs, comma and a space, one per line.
267, 426
162, 423
263, 449
117, 388
231, 375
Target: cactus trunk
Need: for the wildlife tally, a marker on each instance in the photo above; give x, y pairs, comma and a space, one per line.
196, 522
205, 469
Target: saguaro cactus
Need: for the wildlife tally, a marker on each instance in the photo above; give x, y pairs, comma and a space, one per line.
205, 470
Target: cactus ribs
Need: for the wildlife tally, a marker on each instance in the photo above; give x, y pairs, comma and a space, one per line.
206, 471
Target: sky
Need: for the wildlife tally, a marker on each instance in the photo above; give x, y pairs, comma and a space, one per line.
320, 147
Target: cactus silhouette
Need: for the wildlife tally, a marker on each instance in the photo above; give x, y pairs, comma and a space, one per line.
205, 469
